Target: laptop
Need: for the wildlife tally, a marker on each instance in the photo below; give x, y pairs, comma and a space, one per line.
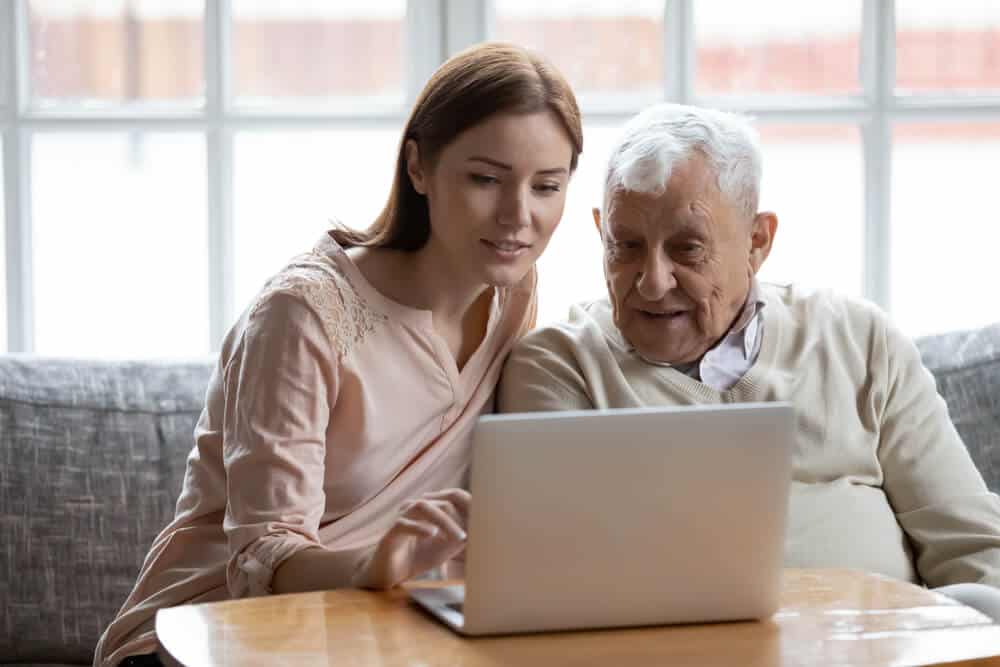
615, 518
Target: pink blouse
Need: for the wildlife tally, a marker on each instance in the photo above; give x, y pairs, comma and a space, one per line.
331, 405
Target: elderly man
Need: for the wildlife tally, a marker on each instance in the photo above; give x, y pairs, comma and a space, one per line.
881, 480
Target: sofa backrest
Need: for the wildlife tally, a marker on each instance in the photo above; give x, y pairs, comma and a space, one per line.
92, 457
966, 365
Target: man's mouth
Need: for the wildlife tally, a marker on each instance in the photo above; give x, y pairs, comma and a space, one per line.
662, 315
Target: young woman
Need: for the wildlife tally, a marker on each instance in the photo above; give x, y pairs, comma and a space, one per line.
335, 436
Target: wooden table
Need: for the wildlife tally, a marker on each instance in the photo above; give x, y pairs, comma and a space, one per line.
827, 617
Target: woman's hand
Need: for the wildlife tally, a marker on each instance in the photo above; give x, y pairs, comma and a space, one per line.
428, 532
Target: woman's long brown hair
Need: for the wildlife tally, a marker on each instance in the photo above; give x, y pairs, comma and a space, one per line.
481, 81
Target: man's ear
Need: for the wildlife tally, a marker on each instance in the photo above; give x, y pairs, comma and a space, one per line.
597, 218
765, 225
413, 167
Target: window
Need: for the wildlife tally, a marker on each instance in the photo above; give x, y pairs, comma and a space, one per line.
333, 53
584, 39
773, 47
947, 48
6, 116
339, 175
118, 235
818, 245
106, 54
944, 228
162, 159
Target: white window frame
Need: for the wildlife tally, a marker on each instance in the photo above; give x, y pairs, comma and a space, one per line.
436, 29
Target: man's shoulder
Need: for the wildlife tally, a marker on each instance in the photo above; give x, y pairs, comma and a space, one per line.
805, 304
586, 323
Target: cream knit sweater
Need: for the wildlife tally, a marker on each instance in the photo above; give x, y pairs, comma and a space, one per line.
881, 480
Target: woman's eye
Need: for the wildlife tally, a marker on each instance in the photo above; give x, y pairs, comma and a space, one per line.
483, 179
548, 187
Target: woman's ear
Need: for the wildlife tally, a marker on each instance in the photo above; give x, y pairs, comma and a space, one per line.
765, 225
413, 167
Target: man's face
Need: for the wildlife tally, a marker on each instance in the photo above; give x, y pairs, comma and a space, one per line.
678, 265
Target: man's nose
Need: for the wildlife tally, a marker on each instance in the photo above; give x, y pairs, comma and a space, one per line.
515, 210
657, 277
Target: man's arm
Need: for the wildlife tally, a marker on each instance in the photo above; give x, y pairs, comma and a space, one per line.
939, 496
541, 374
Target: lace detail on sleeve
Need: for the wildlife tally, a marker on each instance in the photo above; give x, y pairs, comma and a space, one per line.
346, 316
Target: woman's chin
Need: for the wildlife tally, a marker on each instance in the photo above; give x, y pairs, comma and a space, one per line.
506, 276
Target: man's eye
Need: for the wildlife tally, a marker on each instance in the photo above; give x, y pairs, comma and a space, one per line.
483, 179
548, 187
623, 248
689, 249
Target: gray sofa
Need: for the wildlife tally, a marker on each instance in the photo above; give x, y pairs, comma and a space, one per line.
93, 455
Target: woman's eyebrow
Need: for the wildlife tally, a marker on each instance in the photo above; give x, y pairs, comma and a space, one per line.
506, 167
492, 162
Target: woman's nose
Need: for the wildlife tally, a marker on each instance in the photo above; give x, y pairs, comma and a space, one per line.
514, 208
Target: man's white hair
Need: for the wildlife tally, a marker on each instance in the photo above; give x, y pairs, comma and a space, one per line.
665, 135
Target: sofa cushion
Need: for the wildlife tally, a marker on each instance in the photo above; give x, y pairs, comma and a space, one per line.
92, 457
966, 365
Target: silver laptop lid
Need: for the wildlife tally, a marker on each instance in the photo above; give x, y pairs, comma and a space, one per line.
627, 517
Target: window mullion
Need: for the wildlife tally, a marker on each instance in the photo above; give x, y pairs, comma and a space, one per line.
467, 22
17, 185
7, 109
219, 164
878, 76
679, 50
425, 43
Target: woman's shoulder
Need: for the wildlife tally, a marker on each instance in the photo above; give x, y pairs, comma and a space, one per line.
318, 282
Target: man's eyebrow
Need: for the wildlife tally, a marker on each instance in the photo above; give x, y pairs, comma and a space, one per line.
507, 167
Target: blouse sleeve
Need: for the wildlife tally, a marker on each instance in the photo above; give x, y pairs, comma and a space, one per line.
280, 385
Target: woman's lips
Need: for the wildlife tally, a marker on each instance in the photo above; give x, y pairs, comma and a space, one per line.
505, 249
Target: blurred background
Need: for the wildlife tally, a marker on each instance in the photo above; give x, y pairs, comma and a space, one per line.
161, 158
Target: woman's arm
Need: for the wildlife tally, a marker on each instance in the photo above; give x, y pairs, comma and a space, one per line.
279, 388
428, 532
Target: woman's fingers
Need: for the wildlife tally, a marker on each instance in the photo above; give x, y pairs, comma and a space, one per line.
441, 514
459, 498
415, 528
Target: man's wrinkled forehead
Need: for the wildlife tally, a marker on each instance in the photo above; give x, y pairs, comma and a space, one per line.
634, 210
627, 208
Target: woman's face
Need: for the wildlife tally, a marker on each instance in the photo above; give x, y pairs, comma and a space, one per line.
495, 195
